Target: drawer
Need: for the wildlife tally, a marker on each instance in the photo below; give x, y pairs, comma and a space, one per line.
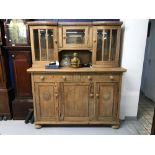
76, 78
52, 78
101, 78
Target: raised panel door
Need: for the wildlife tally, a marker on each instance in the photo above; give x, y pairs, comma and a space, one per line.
106, 101
46, 102
21, 62
76, 102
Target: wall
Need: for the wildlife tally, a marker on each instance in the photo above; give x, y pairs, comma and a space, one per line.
133, 48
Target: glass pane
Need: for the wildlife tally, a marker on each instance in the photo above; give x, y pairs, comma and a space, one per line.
114, 41
106, 45
99, 45
43, 44
75, 36
50, 45
36, 45
16, 30
106, 53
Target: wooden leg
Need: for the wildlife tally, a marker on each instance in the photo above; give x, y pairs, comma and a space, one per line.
37, 126
115, 126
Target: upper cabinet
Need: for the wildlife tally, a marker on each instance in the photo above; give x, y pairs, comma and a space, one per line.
43, 42
98, 40
16, 32
75, 36
106, 45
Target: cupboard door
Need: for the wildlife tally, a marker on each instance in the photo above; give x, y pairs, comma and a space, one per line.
44, 43
106, 46
75, 36
106, 101
21, 62
16, 33
75, 102
46, 102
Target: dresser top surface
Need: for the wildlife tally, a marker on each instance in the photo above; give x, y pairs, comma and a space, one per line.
84, 69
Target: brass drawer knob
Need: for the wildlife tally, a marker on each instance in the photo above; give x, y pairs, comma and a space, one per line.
90, 78
97, 95
111, 77
56, 95
42, 77
64, 77
91, 95
56, 41
94, 41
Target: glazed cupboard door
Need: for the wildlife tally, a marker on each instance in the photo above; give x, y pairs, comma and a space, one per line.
43, 44
106, 46
46, 102
77, 100
106, 101
16, 32
75, 37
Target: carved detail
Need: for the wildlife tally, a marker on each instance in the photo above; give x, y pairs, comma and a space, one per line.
107, 96
46, 96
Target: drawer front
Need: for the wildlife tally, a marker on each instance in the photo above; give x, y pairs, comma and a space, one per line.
52, 78
101, 78
76, 77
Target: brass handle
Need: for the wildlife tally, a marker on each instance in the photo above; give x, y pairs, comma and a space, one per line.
111, 77
89, 78
56, 41
97, 95
94, 41
64, 37
64, 77
13, 56
42, 77
91, 95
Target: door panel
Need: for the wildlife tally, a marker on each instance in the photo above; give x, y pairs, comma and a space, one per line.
75, 97
106, 101
75, 37
44, 43
106, 46
21, 62
46, 101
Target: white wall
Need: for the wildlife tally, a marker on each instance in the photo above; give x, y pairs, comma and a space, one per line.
133, 48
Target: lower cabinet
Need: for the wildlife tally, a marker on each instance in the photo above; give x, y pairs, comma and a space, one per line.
76, 102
